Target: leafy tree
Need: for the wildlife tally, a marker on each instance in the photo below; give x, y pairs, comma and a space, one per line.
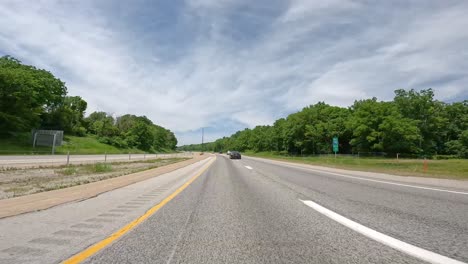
456, 141
414, 123
457, 114
171, 140
131, 131
144, 135
67, 116
323, 123
429, 115
31, 98
379, 126
26, 93
102, 124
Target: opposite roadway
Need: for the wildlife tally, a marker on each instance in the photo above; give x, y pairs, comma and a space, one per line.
260, 211
251, 211
22, 161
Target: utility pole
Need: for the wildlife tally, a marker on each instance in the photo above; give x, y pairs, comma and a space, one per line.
202, 137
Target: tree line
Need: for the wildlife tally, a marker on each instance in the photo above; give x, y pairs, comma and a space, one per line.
413, 123
32, 98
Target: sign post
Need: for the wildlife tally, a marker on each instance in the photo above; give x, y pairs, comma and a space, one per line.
335, 145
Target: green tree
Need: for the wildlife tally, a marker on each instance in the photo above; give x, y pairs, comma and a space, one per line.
429, 115
414, 123
67, 116
140, 132
102, 125
26, 93
323, 122
379, 126
144, 135
456, 141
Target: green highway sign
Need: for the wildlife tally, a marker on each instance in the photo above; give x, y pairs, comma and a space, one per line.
335, 144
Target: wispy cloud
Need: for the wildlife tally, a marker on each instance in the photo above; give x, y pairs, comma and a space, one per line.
227, 64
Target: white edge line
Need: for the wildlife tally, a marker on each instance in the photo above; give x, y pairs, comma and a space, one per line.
404, 247
379, 181
398, 184
248, 167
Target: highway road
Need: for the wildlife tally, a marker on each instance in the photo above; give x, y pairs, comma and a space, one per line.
254, 211
19, 161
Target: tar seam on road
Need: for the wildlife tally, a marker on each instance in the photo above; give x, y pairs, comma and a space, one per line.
399, 245
379, 181
181, 233
83, 255
179, 238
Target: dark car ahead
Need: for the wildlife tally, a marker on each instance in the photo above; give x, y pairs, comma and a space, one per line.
235, 155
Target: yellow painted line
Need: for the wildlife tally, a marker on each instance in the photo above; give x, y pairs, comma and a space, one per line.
83, 255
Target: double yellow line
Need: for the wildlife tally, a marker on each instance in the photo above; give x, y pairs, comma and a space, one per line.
83, 255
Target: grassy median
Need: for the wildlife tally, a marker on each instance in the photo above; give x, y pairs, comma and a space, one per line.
449, 169
18, 182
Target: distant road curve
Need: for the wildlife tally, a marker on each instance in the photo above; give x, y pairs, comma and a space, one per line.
44, 160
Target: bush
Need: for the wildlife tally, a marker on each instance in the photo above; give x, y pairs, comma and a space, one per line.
457, 147
69, 171
104, 140
445, 157
99, 168
79, 131
118, 142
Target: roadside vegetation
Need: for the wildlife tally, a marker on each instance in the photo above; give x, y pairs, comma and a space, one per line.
90, 144
412, 125
32, 98
18, 182
449, 169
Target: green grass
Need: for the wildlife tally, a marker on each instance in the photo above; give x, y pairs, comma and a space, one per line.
450, 169
98, 168
21, 144
69, 171
85, 169
90, 145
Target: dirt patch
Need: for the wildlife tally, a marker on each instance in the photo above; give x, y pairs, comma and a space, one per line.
21, 182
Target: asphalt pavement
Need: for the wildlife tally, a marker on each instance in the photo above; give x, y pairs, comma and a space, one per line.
250, 211
259, 211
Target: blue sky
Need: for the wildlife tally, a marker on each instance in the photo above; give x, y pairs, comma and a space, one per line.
231, 64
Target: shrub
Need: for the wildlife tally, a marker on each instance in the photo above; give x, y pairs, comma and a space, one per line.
68, 171
99, 168
445, 157
79, 131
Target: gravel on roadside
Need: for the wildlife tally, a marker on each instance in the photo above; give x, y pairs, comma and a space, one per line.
19, 182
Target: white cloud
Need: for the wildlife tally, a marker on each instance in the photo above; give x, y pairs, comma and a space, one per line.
248, 62
304, 9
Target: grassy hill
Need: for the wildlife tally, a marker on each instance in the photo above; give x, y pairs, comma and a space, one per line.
21, 144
